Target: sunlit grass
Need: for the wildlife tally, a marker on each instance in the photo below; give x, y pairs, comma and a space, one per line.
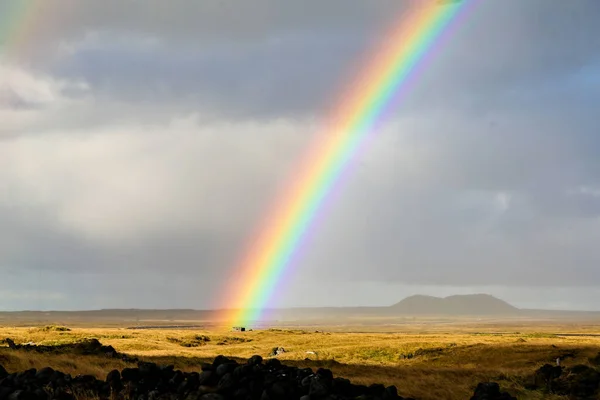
425, 365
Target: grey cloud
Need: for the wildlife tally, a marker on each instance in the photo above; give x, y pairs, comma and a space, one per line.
9, 99
183, 199
247, 68
387, 218
46, 246
37, 244
96, 290
438, 221
233, 80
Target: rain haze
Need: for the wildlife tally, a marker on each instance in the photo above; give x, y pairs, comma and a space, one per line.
142, 145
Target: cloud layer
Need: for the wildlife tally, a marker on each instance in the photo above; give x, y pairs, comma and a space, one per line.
143, 145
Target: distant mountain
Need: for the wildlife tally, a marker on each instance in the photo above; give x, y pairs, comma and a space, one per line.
471, 304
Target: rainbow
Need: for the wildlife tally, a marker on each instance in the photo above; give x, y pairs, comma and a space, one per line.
16, 22
352, 123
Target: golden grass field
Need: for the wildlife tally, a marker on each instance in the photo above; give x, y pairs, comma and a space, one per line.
445, 364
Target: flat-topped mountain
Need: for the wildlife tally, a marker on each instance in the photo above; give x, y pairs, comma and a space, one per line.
471, 304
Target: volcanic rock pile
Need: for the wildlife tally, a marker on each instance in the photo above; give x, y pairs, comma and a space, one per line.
490, 391
221, 380
226, 379
577, 382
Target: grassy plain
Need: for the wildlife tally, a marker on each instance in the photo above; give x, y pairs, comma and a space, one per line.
439, 362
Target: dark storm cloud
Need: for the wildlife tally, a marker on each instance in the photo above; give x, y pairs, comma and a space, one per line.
245, 60
229, 80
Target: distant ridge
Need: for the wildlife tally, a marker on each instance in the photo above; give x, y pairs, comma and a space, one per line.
476, 306
470, 304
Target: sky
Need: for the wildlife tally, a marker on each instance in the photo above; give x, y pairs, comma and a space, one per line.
142, 144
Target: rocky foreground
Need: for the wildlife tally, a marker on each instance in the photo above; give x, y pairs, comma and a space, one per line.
226, 379
223, 379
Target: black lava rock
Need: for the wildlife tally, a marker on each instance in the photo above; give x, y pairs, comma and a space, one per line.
225, 379
490, 391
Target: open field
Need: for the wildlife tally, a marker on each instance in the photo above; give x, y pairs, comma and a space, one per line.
426, 362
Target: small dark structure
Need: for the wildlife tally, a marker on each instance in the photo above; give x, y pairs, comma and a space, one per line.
239, 328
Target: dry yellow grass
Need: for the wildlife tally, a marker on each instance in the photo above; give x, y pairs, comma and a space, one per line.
426, 365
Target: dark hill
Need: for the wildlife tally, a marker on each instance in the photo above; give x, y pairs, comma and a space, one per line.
471, 304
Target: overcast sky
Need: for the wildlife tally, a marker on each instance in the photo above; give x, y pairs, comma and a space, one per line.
141, 144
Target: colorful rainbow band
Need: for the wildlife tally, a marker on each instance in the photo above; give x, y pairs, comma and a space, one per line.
260, 270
